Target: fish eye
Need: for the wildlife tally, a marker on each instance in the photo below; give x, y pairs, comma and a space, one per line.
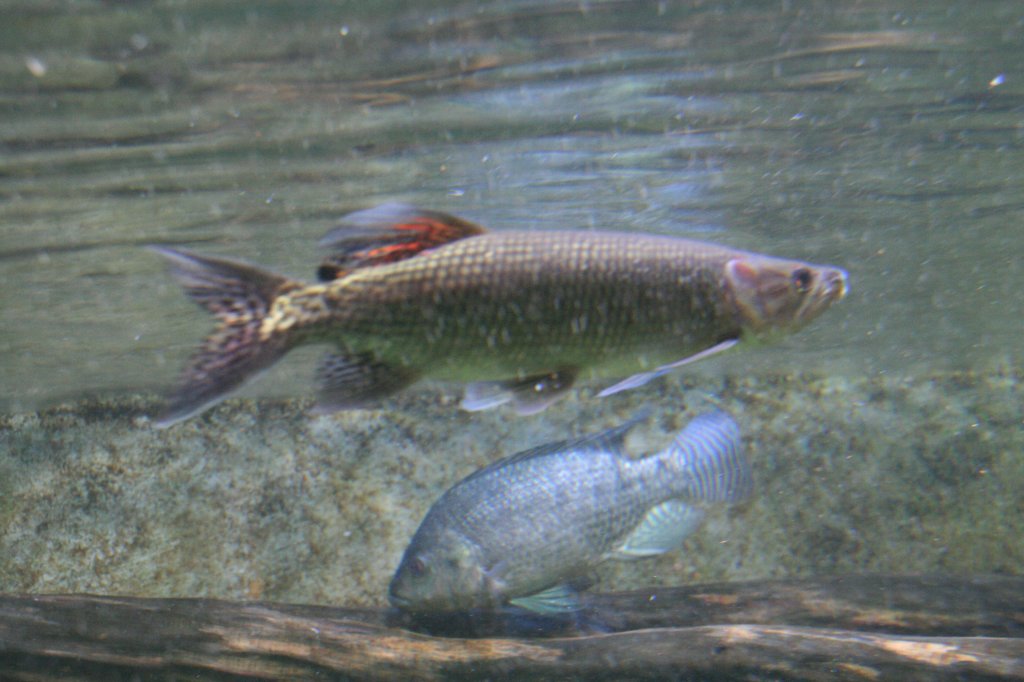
802, 278
417, 566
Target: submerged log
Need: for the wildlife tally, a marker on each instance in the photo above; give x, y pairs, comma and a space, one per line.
857, 628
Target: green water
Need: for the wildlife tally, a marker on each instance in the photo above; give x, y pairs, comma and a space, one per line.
885, 138
863, 136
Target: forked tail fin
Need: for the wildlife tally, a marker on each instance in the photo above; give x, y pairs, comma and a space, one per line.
240, 296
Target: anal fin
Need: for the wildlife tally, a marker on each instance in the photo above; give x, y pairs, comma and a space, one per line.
352, 381
663, 529
530, 395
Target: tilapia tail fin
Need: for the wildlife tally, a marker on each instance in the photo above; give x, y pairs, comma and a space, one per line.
386, 234
710, 454
239, 295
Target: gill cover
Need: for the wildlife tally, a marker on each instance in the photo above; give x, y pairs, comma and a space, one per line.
769, 294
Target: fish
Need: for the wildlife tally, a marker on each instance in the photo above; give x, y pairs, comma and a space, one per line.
527, 530
405, 294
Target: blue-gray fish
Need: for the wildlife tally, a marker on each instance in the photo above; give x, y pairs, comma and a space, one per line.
523, 530
409, 294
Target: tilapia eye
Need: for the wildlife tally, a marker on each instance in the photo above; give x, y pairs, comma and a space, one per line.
802, 279
417, 566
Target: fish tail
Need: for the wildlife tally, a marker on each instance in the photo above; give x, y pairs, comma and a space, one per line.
240, 297
709, 452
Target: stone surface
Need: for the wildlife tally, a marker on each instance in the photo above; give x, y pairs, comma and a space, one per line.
259, 500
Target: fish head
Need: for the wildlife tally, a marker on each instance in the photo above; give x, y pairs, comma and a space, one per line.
445, 574
773, 296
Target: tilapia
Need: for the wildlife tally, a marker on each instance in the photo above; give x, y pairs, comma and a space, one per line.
408, 294
524, 529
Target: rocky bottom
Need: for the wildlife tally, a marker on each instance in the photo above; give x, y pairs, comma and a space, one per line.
261, 500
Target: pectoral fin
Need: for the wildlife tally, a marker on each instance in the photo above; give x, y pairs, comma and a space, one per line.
351, 381
640, 379
557, 599
663, 529
529, 396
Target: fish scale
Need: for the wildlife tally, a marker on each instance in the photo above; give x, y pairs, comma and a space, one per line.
397, 300
411, 294
544, 517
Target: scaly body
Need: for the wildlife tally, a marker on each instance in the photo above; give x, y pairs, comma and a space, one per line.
520, 314
512, 304
530, 524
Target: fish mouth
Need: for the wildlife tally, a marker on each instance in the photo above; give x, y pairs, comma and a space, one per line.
836, 284
399, 602
832, 287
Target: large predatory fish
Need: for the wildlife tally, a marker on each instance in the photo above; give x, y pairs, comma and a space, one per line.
408, 294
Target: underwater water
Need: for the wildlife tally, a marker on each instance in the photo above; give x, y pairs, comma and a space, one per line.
885, 138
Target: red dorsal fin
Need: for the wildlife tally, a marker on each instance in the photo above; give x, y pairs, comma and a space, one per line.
386, 234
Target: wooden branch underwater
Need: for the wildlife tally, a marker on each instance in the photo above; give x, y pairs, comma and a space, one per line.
834, 628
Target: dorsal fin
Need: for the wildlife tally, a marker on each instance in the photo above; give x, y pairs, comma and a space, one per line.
609, 440
386, 234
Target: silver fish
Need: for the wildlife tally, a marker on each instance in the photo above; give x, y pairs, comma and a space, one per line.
524, 529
